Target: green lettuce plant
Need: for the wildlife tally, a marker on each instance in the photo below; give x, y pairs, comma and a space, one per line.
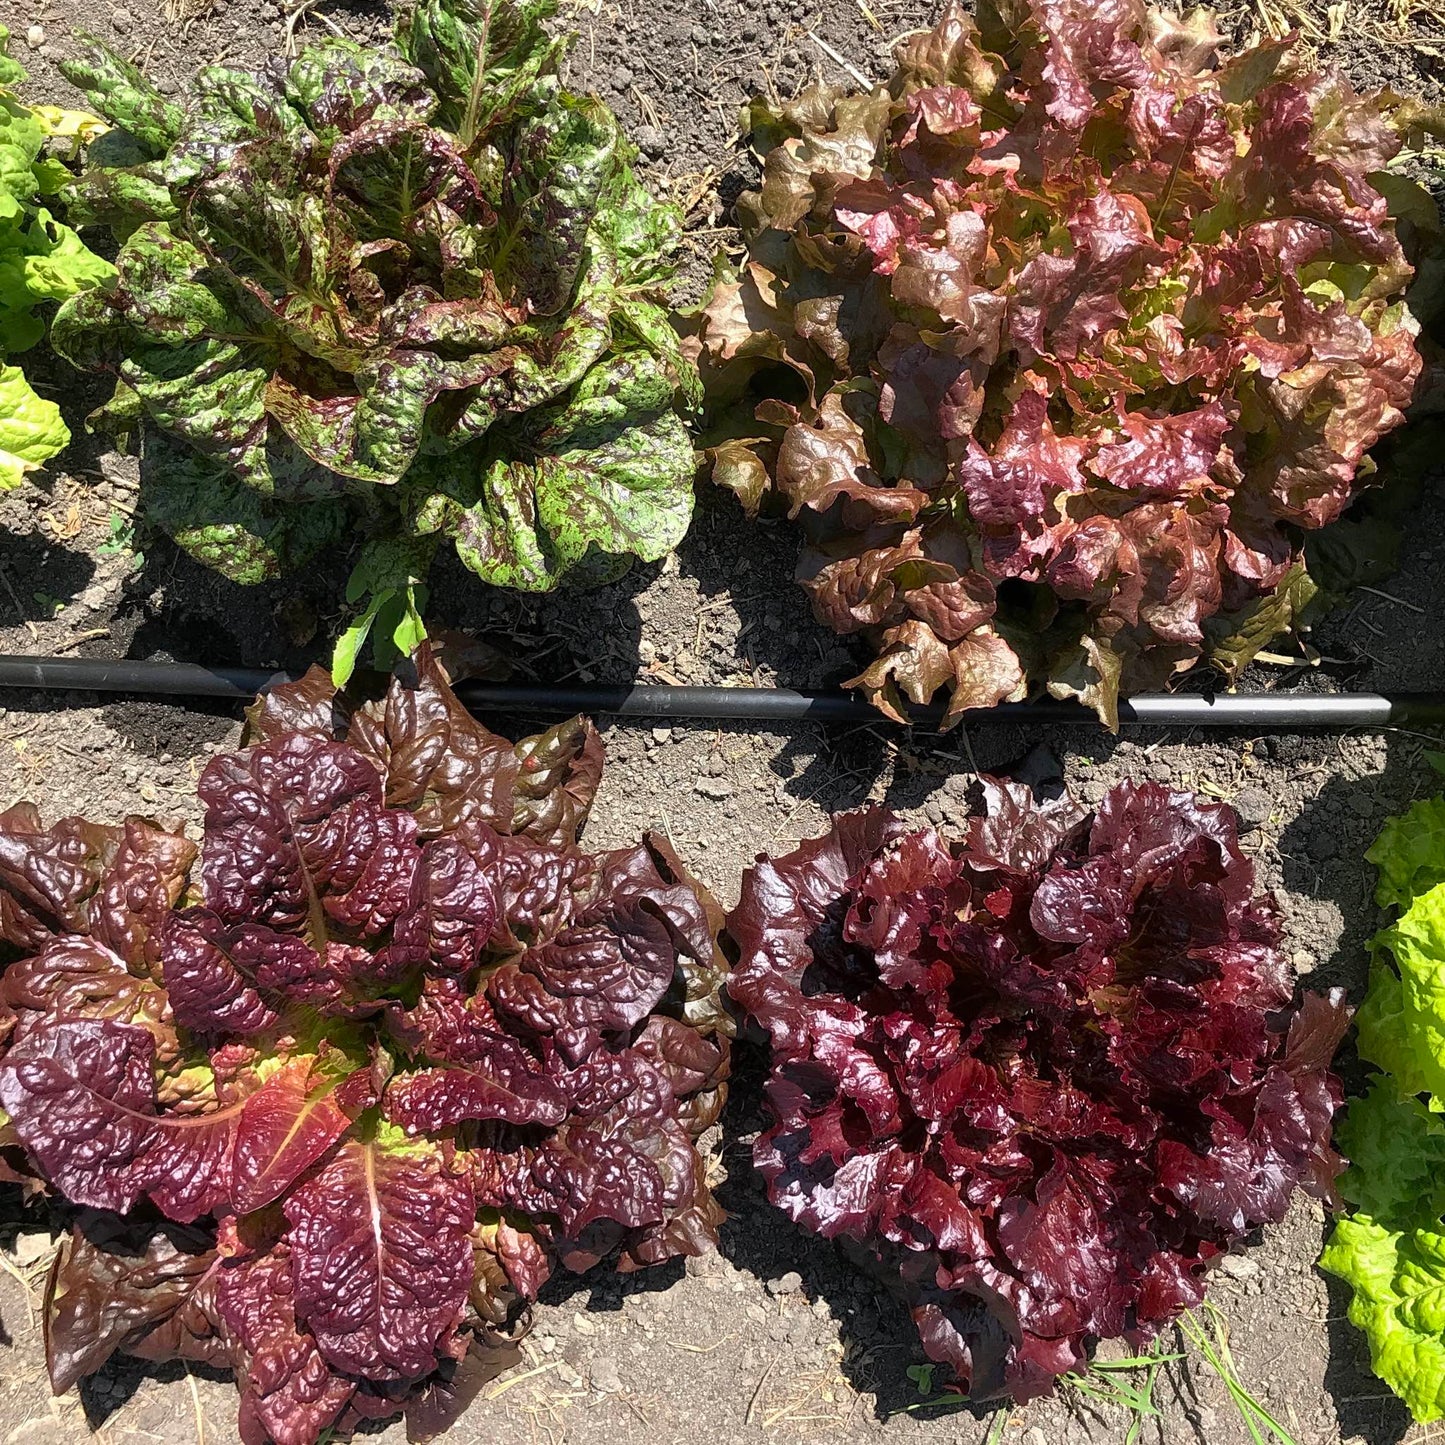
1390, 1247
40, 260
409, 293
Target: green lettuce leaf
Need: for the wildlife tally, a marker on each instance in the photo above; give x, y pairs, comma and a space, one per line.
31, 431
1402, 1021
1396, 1149
596, 480
1398, 1279
1410, 854
1391, 1249
41, 259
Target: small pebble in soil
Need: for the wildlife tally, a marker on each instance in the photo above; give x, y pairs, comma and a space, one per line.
1304, 961
1238, 1266
121, 18
35, 37
1254, 806
718, 788
621, 78
582, 1324
789, 1283
604, 1376
652, 142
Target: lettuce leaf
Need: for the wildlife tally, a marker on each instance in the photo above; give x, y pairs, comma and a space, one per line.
31, 430
41, 260
1057, 346
1398, 1283
1390, 1249
1046, 1072
409, 294
398, 1051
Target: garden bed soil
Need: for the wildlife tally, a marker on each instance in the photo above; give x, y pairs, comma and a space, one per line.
777, 1338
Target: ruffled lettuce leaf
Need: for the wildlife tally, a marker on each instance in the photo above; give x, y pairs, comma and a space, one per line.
41, 259
1388, 1248
1057, 346
1398, 1283
1047, 1071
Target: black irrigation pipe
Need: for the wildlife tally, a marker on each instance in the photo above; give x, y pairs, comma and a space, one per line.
1262, 711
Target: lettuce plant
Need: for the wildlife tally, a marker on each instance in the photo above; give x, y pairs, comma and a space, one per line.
406, 293
1043, 1074
40, 260
1058, 344
1390, 1245
402, 1048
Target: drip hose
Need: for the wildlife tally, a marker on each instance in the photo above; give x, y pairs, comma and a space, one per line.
1267, 712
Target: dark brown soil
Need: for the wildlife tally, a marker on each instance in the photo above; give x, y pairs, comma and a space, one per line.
778, 1338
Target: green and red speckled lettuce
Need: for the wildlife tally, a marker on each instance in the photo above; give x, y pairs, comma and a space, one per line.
397, 1049
1060, 344
1046, 1072
410, 293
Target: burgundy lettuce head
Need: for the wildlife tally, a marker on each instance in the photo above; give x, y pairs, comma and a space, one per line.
1058, 344
1046, 1072
399, 1050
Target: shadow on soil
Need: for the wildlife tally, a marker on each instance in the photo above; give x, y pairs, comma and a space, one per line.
106, 1391
879, 1338
38, 578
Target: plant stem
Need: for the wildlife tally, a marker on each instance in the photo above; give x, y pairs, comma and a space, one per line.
474, 96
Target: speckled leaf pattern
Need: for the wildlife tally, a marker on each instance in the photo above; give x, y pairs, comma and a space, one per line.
481, 56
117, 87
228, 526
343, 86
611, 473
564, 160
371, 290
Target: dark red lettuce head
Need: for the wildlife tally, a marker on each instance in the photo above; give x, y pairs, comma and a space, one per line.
395, 1051
1047, 1071
1059, 344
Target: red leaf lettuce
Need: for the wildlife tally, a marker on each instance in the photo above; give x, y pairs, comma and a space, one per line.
1059, 344
1046, 1072
400, 1049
